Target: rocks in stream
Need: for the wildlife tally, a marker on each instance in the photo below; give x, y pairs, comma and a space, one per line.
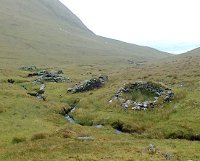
88, 85
159, 91
40, 93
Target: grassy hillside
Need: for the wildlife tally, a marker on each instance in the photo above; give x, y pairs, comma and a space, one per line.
49, 31
31, 129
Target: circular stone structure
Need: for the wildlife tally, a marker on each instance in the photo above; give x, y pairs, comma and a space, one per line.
159, 92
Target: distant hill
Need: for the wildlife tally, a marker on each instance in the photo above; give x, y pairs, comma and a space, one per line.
45, 31
193, 52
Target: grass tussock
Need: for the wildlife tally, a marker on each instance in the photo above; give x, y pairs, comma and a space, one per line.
17, 140
127, 128
187, 135
39, 136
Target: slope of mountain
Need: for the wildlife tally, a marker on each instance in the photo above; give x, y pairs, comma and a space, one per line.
193, 52
49, 30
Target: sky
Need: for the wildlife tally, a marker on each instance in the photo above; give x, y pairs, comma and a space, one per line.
168, 25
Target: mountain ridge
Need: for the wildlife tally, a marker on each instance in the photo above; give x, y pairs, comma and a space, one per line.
42, 28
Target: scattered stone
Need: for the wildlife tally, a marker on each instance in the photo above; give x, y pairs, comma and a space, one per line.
70, 119
42, 87
99, 126
69, 89
29, 68
40, 93
160, 91
88, 85
48, 76
86, 137
151, 149
168, 156
44, 75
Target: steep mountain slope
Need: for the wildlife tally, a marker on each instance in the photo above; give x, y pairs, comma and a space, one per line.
49, 31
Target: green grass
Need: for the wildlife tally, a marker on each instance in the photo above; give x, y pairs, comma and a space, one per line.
35, 130
171, 128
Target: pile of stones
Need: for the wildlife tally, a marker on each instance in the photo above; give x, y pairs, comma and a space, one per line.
88, 85
160, 91
46, 76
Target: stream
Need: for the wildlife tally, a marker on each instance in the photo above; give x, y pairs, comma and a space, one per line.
71, 120
68, 117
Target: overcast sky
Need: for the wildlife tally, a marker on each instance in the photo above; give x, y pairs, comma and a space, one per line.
168, 25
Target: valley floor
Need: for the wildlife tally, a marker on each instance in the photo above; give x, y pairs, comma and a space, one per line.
31, 129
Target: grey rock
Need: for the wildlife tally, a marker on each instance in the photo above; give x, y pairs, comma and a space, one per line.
88, 85
70, 119
42, 87
49, 77
151, 149
118, 132
99, 126
86, 137
168, 156
69, 89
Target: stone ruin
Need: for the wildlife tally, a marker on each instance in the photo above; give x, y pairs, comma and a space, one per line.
44, 75
161, 93
88, 85
47, 76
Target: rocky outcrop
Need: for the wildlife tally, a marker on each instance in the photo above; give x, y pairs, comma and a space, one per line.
88, 85
161, 93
